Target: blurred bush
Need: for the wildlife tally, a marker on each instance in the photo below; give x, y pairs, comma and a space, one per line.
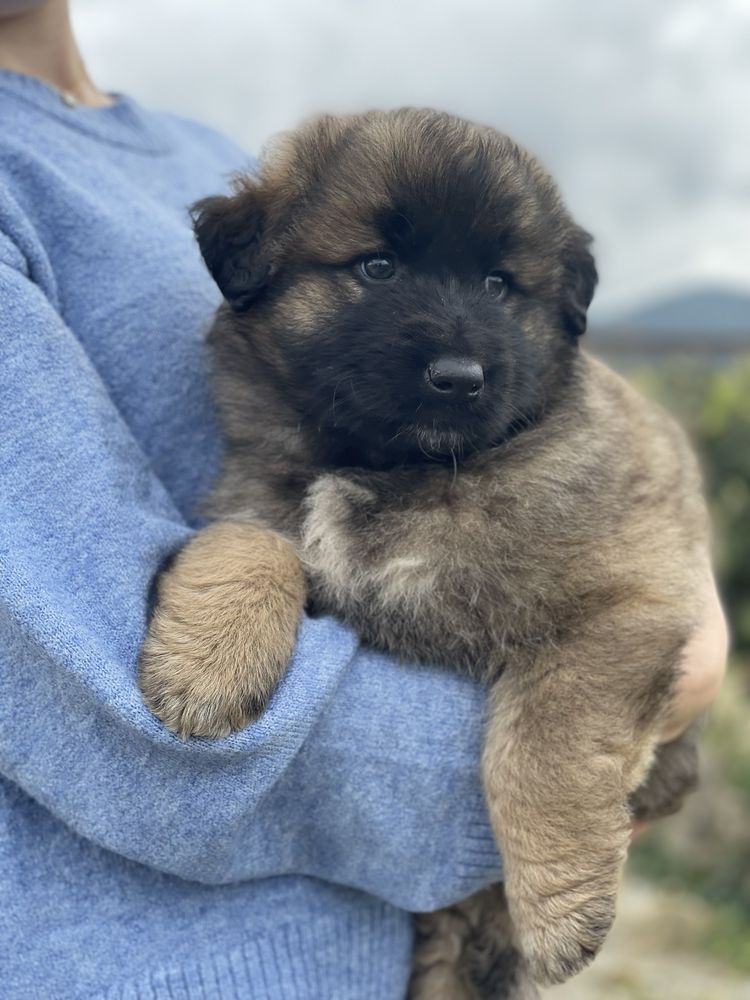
706, 848
713, 403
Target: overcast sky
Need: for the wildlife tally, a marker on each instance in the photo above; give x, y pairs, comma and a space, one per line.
640, 108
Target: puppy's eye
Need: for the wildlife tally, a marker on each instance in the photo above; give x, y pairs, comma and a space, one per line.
496, 284
378, 266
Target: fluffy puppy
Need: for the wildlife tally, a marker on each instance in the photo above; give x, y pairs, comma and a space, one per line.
409, 415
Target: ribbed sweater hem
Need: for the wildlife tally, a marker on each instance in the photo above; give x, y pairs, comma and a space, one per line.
359, 957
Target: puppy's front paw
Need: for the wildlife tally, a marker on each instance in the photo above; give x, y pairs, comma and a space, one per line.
198, 683
560, 937
223, 631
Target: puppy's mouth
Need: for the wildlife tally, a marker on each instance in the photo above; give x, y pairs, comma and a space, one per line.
437, 441
363, 425
442, 442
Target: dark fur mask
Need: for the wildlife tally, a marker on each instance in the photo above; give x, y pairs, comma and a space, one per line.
474, 267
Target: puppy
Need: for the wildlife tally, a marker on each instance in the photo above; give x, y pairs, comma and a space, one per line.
409, 416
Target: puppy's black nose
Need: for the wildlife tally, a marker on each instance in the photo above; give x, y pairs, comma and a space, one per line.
455, 379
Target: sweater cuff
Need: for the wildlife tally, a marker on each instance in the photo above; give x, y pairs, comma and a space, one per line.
478, 863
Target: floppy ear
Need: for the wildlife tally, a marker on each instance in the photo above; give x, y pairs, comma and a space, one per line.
580, 280
230, 232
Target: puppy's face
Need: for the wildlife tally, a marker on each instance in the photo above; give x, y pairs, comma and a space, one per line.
411, 282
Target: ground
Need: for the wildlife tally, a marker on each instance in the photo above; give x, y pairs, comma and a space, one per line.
655, 952
683, 925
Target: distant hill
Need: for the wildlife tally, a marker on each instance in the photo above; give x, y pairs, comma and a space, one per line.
709, 320
702, 312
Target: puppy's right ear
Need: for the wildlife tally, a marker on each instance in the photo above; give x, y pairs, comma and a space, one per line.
580, 281
230, 233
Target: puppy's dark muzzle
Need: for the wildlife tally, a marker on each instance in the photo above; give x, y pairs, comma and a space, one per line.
454, 380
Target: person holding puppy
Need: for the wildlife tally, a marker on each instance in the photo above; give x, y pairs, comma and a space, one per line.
280, 862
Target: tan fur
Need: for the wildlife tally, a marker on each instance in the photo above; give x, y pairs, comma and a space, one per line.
304, 311
223, 631
563, 566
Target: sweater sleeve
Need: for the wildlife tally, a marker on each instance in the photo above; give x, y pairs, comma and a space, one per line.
362, 771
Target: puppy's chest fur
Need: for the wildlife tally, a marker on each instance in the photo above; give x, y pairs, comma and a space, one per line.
512, 550
431, 565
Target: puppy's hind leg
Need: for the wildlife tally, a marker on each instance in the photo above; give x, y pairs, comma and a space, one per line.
672, 776
467, 952
439, 949
494, 963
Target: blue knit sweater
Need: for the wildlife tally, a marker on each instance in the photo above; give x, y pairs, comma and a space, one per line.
279, 863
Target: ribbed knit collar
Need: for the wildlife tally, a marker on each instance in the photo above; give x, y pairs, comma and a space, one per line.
123, 123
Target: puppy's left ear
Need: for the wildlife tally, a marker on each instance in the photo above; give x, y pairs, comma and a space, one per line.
231, 236
579, 281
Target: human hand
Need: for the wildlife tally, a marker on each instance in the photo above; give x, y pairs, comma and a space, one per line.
702, 668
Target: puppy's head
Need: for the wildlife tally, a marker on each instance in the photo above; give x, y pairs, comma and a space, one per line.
411, 281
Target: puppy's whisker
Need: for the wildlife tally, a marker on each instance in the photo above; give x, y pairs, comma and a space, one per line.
333, 401
430, 456
401, 431
455, 467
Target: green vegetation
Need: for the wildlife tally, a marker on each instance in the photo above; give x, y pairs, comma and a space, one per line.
713, 403
706, 849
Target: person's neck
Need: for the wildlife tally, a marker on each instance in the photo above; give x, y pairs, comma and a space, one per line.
40, 43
